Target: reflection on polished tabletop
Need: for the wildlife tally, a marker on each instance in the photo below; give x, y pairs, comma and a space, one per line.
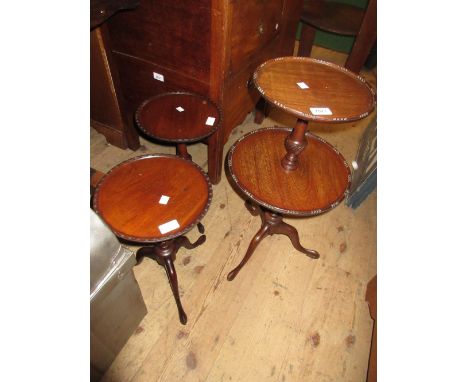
299, 84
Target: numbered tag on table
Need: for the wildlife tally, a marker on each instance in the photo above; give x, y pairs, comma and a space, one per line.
169, 226
210, 121
164, 199
320, 111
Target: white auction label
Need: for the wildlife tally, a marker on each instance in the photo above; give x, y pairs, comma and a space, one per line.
303, 85
158, 76
164, 199
210, 121
169, 226
320, 111
180, 109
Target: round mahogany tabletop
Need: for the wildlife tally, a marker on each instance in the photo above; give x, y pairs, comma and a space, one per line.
153, 198
178, 117
314, 90
331, 16
319, 183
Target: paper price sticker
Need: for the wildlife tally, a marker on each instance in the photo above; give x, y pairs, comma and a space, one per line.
180, 109
320, 111
169, 226
164, 199
210, 121
158, 76
303, 85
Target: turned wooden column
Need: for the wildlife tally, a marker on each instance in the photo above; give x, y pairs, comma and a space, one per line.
295, 143
180, 118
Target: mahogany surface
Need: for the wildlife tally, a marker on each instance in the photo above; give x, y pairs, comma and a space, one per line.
318, 184
348, 96
206, 47
127, 198
333, 17
159, 118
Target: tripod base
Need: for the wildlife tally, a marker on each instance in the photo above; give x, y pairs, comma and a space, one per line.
272, 223
164, 254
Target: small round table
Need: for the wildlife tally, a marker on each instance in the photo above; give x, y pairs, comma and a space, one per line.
312, 90
154, 200
291, 171
319, 183
178, 117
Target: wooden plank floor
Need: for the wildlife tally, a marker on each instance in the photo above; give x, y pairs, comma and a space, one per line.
285, 317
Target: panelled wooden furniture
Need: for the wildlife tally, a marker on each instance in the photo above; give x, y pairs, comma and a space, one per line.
179, 118
154, 200
209, 47
107, 114
291, 171
343, 19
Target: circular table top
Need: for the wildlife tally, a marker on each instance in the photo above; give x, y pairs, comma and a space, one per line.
314, 90
130, 197
178, 117
332, 16
319, 183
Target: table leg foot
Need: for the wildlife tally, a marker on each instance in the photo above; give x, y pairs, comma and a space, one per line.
183, 241
291, 232
261, 234
164, 253
172, 276
200, 227
272, 223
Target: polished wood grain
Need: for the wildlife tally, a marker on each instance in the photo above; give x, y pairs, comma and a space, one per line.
127, 198
206, 47
348, 96
331, 16
178, 117
173, 28
318, 184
